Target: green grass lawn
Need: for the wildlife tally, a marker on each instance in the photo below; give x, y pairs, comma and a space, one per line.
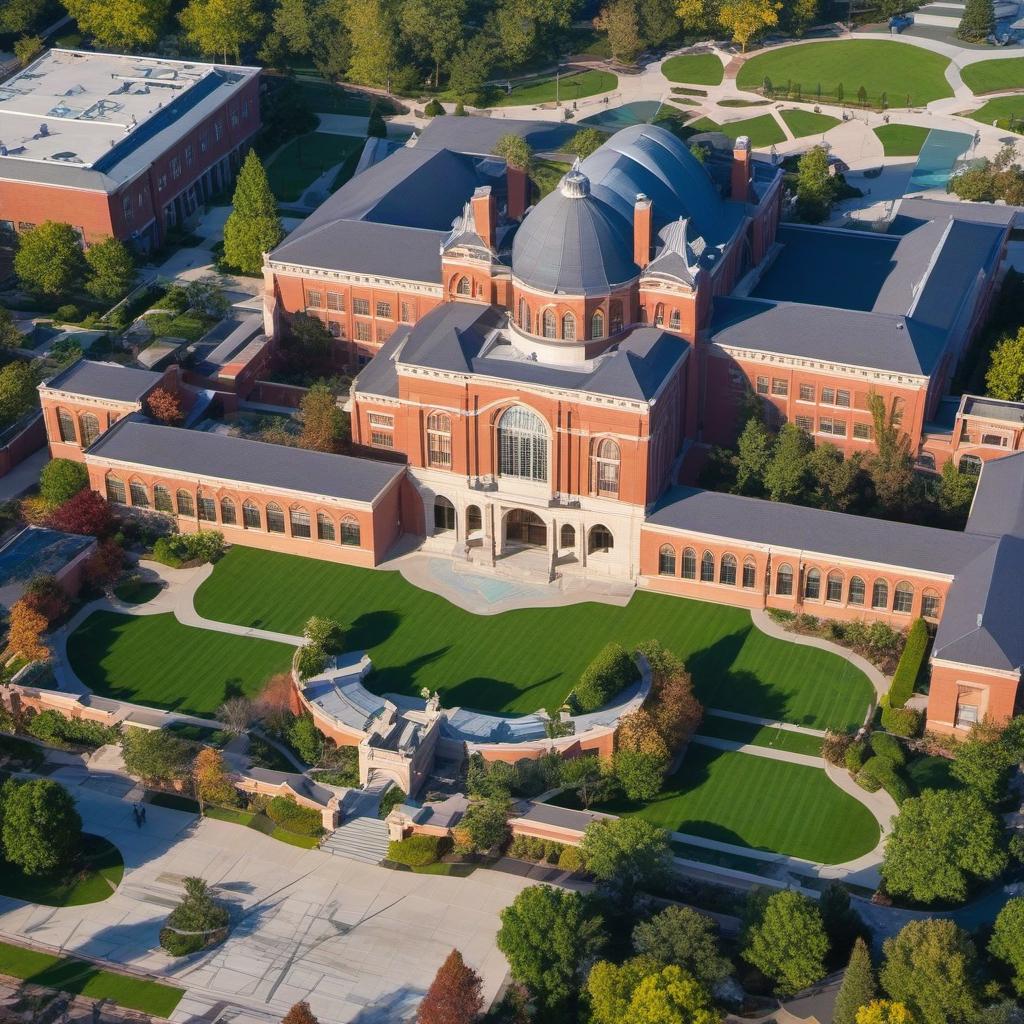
154, 660
930, 773
767, 805
326, 98
1001, 110
546, 175
261, 823
300, 162
93, 881
694, 69
523, 660
67, 974
901, 139
572, 86
893, 68
806, 122
763, 131
744, 103
760, 735
137, 591
994, 75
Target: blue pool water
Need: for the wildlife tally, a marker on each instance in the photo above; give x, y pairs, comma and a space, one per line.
641, 112
935, 162
488, 589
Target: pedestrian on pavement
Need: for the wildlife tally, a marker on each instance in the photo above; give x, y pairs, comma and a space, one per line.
142, 811
138, 819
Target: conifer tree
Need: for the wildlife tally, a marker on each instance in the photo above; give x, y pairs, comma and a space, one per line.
858, 988
454, 995
977, 22
300, 1013
253, 227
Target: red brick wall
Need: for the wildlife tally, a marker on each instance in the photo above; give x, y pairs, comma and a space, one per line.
23, 444
994, 694
29, 204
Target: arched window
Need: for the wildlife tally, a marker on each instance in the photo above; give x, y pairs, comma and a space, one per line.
834, 587
606, 468
439, 440
857, 590
350, 532
228, 512
207, 509
463, 287
275, 518
784, 580
567, 536
115, 490
524, 315
251, 516
600, 539
689, 564
140, 496
903, 598
569, 327
89, 426
324, 527
186, 506
931, 604
707, 567
659, 315
550, 324
675, 321
880, 595
643, 315
597, 324
667, 560
812, 585
474, 519
162, 498
727, 570
66, 426
298, 519
444, 514
522, 445
749, 574
970, 464
615, 316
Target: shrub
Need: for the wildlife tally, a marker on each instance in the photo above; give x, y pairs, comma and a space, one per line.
854, 757
901, 721
199, 916
180, 945
51, 726
304, 821
434, 108
910, 664
307, 740
867, 778
391, 799
61, 480
888, 747
418, 851
610, 672
880, 773
834, 747
179, 548
67, 312
570, 859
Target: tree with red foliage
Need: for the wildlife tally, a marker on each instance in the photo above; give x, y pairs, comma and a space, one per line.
46, 596
87, 513
165, 406
300, 1013
454, 995
104, 564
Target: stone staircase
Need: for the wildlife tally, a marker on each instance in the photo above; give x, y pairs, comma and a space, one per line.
360, 838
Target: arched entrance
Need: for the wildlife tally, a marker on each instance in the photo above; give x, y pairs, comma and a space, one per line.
525, 527
567, 536
474, 520
444, 515
599, 539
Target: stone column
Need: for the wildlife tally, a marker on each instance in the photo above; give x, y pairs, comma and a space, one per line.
497, 540
552, 548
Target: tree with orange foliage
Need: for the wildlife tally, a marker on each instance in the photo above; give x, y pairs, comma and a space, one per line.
639, 732
454, 996
24, 635
300, 1013
211, 780
276, 700
675, 710
165, 406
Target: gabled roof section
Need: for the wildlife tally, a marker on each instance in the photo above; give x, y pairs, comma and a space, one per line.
679, 256
111, 381
479, 135
998, 506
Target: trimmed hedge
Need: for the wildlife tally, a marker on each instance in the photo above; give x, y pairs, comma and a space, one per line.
609, 673
180, 945
303, 821
904, 722
888, 747
52, 726
880, 773
854, 757
910, 664
418, 851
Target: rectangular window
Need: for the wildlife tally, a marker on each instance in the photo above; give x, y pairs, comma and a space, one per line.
381, 419
189, 155
350, 532
749, 575
126, 206
175, 168
250, 516
381, 439
406, 312
336, 301
314, 299
828, 425
324, 527
383, 334
218, 131
994, 439
161, 183
227, 512
362, 331
275, 519
780, 386
806, 392
245, 109
828, 396
384, 310
207, 510
439, 449
762, 385
234, 117
862, 431
300, 523
843, 398
361, 307
966, 715
115, 491
162, 499
204, 142
805, 423
140, 497
930, 606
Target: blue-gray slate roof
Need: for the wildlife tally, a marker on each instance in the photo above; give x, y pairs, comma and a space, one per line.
104, 380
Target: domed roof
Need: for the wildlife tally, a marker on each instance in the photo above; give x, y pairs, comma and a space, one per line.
573, 242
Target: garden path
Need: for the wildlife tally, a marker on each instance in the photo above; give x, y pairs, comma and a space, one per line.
736, 716
771, 753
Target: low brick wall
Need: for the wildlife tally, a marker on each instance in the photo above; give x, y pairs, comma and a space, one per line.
269, 392
20, 440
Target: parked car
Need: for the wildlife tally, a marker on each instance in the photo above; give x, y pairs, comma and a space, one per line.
899, 22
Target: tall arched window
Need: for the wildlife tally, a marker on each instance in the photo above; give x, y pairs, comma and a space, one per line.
880, 595
251, 516
207, 509
567, 536
66, 426
89, 426
856, 591
439, 440
228, 514
727, 570
903, 598
569, 327
606, 467
524, 315
324, 527
784, 580
659, 315
463, 287
444, 514
749, 574
597, 324
140, 496
600, 539
615, 316
522, 445
931, 603
834, 587
689, 564
350, 531
186, 504
812, 585
550, 324
275, 518
667, 560
474, 519
674, 321
115, 490
707, 567
298, 519
162, 498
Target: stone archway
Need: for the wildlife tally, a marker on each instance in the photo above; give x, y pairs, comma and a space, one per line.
526, 528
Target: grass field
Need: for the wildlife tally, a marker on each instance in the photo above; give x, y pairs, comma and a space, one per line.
261, 823
806, 122
694, 69
137, 591
546, 174
901, 139
572, 86
66, 974
760, 735
95, 881
326, 98
994, 75
154, 660
766, 805
762, 131
898, 70
300, 162
524, 660
1001, 110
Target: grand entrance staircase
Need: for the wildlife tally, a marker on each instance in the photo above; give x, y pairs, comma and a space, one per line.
361, 835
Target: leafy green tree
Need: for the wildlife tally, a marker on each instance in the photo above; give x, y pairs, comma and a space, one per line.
157, 756
18, 16
586, 141
788, 943
620, 19
859, 986
884, 1011
49, 258
547, 936
815, 187
293, 21
754, 455
801, 15
470, 67
62, 479
515, 151
219, 28
42, 831
1005, 376
640, 774
486, 823
836, 480
10, 336
323, 422
111, 269
1007, 942
586, 777
930, 968
253, 227
941, 843
956, 492
642, 991
681, 936
658, 21
434, 30
120, 24
306, 738
785, 478
374, 36
27, 48
625, 855
978, 21
747, 19
983, 762
18, 391
892, 466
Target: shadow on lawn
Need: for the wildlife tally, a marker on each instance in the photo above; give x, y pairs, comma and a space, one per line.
371, 630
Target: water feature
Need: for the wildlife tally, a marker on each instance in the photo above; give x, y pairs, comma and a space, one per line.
937, 158
615, 118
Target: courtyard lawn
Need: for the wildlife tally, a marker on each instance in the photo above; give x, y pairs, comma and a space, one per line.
66, 974
763, 131
154, 660
1002, 111
896, 69
95, 880
760, 735
994, 75
752, 801
300, 162
573, 86
901, 139
806, 122
694, 69
522, 660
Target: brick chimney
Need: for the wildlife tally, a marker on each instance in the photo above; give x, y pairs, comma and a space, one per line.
740, 181
485, 215
518, 192
642, 231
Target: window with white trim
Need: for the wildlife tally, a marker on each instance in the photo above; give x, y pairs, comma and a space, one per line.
522, 444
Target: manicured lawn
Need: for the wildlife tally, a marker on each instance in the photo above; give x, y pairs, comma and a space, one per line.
298, 164
154, 660
901, 139
1001, 110
326, 98
694, 69
570, 87
767, 805
763, 131
137, 591
547, 174
99, 874
67, 974
930, 773
760, 735
806, 122
994, 75
524, 660
261, 823
880, 67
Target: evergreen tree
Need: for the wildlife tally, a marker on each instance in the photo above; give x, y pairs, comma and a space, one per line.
454, 996
253, 227
978, 21
858, 987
